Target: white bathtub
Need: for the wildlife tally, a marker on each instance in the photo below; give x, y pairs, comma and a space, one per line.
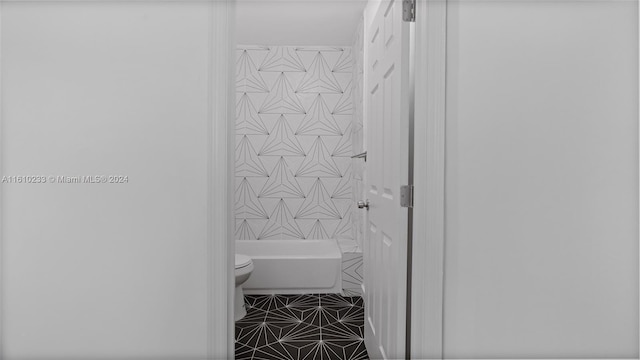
293, 266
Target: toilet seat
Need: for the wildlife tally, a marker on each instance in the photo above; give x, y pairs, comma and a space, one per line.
242, 261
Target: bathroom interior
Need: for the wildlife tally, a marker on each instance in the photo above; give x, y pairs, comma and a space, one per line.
299, 174
319, 179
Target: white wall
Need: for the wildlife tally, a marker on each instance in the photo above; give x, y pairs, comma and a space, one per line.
106, 270
542, 179
297, 22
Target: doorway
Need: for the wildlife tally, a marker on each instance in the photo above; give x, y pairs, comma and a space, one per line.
322, 123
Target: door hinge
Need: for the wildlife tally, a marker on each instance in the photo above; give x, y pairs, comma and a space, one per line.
406, 196
409, 10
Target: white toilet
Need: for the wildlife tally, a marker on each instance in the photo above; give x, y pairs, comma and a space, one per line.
244, 267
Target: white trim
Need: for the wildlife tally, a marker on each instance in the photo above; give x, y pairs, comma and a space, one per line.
231, 148
429, 180
2, 282
221, 251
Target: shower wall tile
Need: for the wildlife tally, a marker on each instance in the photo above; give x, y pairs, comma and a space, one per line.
352, 268
294, 126
352, 274
357, 135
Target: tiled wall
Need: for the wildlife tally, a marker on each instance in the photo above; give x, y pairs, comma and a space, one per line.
357, 137
294, 138
352, 261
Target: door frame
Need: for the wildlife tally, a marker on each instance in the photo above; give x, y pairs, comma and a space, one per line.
428, 245
220, 205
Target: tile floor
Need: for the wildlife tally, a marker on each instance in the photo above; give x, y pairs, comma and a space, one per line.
301, 327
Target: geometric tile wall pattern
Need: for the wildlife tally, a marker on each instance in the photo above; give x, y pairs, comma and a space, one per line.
294, 134
352, 268
357, 134
352, 273
352, 257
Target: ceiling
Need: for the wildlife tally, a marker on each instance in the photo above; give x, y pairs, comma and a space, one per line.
297, 22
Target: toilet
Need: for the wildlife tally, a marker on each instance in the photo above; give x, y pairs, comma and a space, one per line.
244, 267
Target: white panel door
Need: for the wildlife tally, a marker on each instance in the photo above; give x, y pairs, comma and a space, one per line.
385, 247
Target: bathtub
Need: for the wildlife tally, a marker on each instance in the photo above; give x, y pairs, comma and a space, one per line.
292, 266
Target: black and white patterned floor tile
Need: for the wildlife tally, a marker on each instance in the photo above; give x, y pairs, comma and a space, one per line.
301, 327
